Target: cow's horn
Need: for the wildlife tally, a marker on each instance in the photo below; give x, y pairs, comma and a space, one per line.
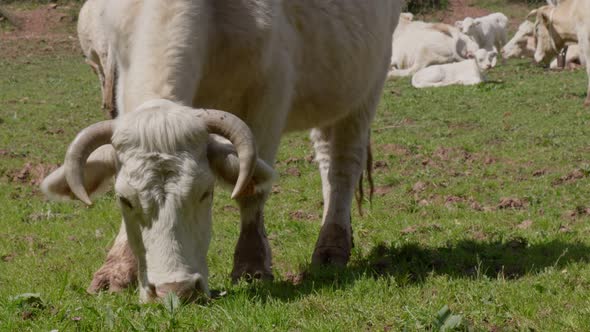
532, 13
236, 131
88, 140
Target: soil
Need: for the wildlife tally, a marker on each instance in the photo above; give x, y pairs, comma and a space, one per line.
457, 10
48, 29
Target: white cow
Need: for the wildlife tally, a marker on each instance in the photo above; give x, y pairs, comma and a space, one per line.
417, 44
558, 26
94, 44
522, 44
488, 31
466, 72
302, 64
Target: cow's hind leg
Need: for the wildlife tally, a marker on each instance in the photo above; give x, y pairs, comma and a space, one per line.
341, 151
119, 270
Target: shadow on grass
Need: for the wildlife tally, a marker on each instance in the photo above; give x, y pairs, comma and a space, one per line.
412, 263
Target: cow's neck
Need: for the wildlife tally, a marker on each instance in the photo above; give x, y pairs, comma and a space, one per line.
169, 47
563, 25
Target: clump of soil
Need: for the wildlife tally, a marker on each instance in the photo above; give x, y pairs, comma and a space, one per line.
32, 174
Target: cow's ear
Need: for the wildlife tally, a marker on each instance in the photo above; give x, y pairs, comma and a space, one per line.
225, 163
98, 175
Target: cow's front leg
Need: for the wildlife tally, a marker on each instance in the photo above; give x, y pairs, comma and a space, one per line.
341, 153
252, 256
119, 270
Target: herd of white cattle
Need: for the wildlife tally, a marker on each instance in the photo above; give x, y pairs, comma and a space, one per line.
269, 67
438, 54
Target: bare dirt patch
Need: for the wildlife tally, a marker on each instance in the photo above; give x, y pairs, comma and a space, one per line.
302, 215
571, 177
457, 10
32, 174
47, 29
512, 203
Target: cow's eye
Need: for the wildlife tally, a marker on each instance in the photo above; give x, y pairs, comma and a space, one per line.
125, 202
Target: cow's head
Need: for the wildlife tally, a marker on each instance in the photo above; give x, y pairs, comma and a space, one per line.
520, 45
486, 59
547, 41
165, 159
468, 26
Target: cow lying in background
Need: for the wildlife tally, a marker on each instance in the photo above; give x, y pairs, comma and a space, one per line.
488, 31
467, 72
573, 58
94, 44
558, 26
417, 44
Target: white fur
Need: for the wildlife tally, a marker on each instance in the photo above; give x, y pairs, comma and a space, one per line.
488, 31
467, 72
417, 44
522, 44
278, 65
565, 24
573, 57
95, 46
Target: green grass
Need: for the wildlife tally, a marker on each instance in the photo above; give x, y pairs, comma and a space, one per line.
435, 236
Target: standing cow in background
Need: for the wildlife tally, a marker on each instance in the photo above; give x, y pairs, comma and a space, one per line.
488, 31
95, 46
301, 64
561, 25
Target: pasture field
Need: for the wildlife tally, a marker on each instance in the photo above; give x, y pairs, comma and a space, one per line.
481, 205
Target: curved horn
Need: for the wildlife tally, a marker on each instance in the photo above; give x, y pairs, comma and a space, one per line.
236, 131
88, 140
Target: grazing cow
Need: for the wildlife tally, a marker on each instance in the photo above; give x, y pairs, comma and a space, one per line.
558, 26
302, 64
466, 72
488, 31
522, 44
417, 44
94, 44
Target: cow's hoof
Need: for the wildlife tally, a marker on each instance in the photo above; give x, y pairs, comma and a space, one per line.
333, 246
252, 257
250, 273
116, 274
587, 102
